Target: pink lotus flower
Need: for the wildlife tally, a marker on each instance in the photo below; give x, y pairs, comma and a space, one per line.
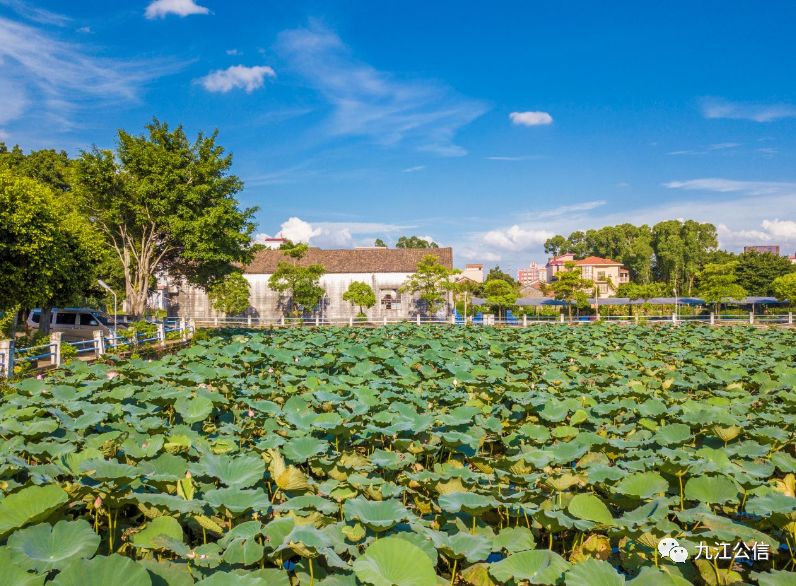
112, 374
97, 502
270, 370
39, 376
250, 413
188, 474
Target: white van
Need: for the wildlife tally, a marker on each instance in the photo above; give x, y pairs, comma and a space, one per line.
76, 323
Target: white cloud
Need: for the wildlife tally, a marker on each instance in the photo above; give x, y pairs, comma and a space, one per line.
162, 8
55, 79
233, 52
785, 229
237, 76
414, 169
569, 209
84, 30
730, 185
333, 234
515, 158
531, 118
369, 103
719, 108
35, 14
516, 238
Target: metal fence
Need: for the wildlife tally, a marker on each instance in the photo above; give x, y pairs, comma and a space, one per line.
53, 351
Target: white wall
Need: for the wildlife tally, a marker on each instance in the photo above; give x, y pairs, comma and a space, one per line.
265, 303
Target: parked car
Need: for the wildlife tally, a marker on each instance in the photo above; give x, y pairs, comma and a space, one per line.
76, 323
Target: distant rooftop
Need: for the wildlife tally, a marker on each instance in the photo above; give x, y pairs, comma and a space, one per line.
357, 260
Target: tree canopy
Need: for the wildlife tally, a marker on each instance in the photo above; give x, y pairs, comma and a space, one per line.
670, 251
756, 272
414, 242
500, 294
718, 283
495, 273
360, 294
298, 285
230, 294
166, 206
784, 288
570, 286
430, 281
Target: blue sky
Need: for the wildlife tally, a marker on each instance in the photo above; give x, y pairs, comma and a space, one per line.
486, 127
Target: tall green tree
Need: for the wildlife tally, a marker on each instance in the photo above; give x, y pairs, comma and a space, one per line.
415, 242
570, 286
496, 273
431, 282
784, 288
380, 243
360, 294
299, 286
49, 253
166, 206
681, 250
230, 294
718, 283
756, 272
501, 295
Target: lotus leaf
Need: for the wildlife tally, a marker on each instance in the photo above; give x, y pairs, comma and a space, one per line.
102, 571
593, 573
29, 505
391, 561
711, 489
591, 508
538, 566
148, 537
44, 547
377, 515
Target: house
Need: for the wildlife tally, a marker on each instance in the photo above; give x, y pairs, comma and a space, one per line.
471, 272
607, 274
533, 274
273, 243
384, 269
792, 258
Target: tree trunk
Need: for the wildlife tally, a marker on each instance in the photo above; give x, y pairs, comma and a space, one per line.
44, 320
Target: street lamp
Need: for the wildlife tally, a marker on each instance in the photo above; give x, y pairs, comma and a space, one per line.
675, 303
105, 286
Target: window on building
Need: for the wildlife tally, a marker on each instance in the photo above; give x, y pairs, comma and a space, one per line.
65, 319
601, 275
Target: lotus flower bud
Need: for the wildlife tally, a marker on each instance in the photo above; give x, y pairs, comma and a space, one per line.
250, 413
39, 376
112, 374
270, 370
97, 502
188, 474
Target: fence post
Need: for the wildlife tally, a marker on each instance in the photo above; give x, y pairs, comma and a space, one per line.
215, 321
282, 321
6, 358
751, 318
712, 318
249, 320
191, 328
351, 321
55, 348
790, 318
418, 319
99, 343
636, 318
561, 318
183, 333
385, 320
524, 320
674, 318
162, 335
317, 321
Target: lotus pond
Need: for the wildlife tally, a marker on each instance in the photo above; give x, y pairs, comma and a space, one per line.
408, 456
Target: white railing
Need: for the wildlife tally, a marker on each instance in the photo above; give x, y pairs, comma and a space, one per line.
52, 352
488, 320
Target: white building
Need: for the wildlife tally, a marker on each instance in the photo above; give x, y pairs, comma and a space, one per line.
384, 269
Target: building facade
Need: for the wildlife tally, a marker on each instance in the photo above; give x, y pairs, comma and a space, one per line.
533, 274
763, 249
384, 269
607, 274
472, 272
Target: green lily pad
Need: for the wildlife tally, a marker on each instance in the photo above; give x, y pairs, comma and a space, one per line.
45, 547
711, 489
378, 515
538, 566
103, 571
391, 561
166, 527
29, 505
642, 484
591, 508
